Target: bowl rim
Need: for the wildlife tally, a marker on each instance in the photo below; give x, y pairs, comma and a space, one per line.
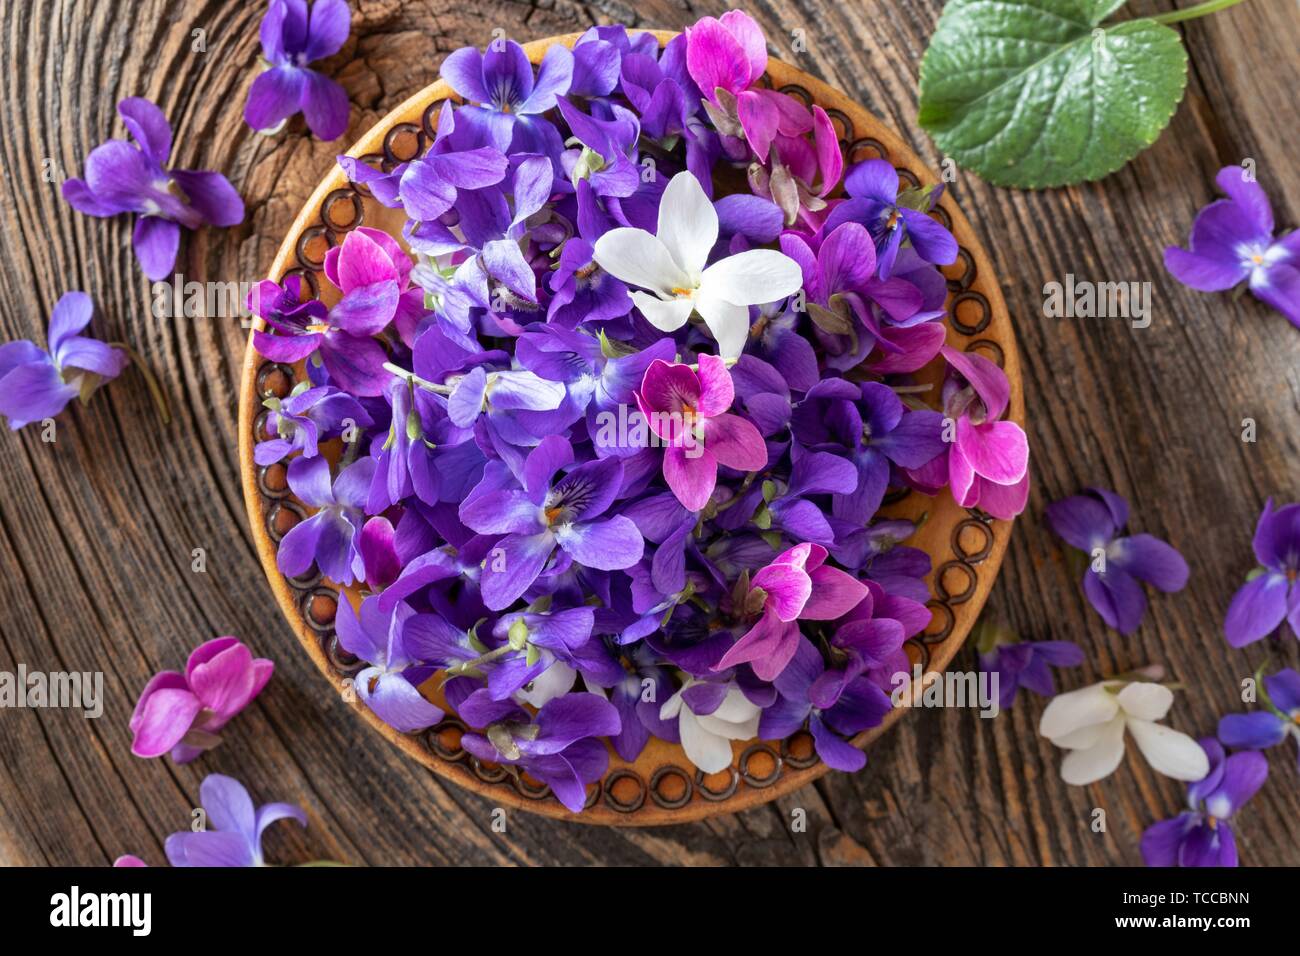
900, 155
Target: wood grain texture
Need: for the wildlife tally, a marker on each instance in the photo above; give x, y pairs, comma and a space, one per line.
96, 530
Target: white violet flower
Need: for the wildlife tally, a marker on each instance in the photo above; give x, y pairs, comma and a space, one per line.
706, 738
1090, 723
673, 266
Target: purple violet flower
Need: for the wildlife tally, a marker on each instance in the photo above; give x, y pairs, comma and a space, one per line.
1267, 728
835, 710
121, 177
304, 419
35, 384
394, 643
292, 37
541, 516
1271, 594
330, 537
638, 695
509, 100
1202, 836
559, 745
869, 425
1232, 242
1020, 663
873, 188
183, 713
1092, 523
235, 827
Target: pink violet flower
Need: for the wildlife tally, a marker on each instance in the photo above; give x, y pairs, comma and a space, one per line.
182, 713
730, 55
688, 410
987, 465
798, 585
374, 275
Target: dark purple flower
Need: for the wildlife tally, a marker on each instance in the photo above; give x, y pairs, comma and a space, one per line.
869, 425
1022, 663
1271, 595
304, 419
855, 308
834, 709
233, 836
1202, 835
406, 460
1269, 727
121, 177
558, 745
506, 95
1092, 523
329, 538
35, 384
354, 363
639, 694
548, 649
292, 38
1232, 242
873, 186
378, 549
582, 291
541, 515
393, 642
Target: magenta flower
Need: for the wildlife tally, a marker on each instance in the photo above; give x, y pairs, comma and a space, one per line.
1232, 242
122, 177
374, 275
183, 713
730, 55
292, 38
798, 585
688, 410
988, 461
35, 384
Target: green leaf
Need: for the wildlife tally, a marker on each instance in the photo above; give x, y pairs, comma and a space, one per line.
1036, 93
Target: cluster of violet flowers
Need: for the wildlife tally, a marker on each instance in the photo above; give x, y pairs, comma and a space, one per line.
617, 440
132, 176
1091, 724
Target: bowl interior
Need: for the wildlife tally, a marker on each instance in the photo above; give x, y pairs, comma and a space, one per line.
661, 786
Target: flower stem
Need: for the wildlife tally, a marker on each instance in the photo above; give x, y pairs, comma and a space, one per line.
150, 380
1191, 13
465, 666
416, 380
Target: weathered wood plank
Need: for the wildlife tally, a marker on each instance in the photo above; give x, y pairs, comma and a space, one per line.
96, 530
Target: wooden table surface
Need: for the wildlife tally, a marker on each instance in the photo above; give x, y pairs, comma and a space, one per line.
98, 528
